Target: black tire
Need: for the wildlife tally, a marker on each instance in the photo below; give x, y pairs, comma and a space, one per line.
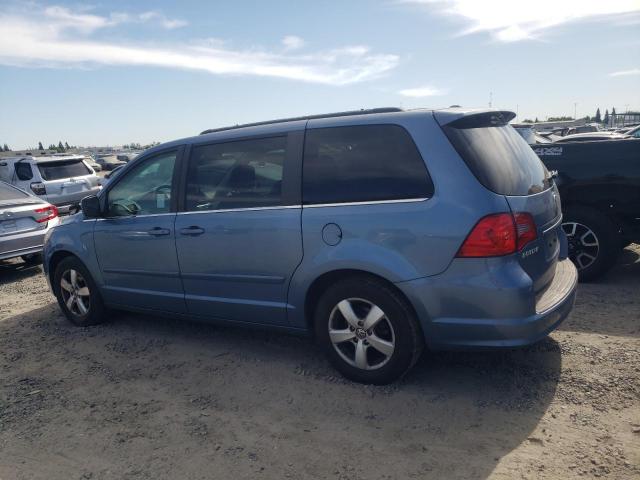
605, 233
95, 311
399, 325
32, 258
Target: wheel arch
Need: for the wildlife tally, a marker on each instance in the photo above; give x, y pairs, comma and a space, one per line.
322, 282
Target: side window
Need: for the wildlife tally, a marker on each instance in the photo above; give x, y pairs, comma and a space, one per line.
241, 174
362, 163
23, 171
144, 190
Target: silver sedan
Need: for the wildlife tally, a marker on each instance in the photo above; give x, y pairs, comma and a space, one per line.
24, 221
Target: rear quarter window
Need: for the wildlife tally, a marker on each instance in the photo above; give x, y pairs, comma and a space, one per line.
497, 155
8, 193
362, 163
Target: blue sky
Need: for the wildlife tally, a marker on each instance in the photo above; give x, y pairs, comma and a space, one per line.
119, 72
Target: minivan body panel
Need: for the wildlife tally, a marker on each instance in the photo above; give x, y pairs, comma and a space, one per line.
138, 261
240, 266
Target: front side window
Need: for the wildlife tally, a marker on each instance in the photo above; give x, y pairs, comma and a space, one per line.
145, 190
362, 164
240, 174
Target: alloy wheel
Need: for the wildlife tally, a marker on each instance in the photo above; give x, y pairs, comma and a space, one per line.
75, 292
583, 244
361, 333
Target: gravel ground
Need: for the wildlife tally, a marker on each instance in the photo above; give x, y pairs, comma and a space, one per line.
148, 398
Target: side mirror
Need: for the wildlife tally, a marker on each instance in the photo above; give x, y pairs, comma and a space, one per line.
91, 207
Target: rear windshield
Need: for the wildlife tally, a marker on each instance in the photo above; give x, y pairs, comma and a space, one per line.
8, 193
497, 155
63, 169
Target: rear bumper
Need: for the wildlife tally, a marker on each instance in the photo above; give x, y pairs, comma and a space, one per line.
21, 244
502, 313
68, 204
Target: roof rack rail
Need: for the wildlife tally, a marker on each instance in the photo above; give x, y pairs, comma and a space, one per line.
349, 113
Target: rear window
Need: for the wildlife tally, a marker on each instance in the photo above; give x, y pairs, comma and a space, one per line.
497, 155
361, 164
8, 193
63, 169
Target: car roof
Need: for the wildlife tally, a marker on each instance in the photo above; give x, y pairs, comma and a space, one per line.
375, 115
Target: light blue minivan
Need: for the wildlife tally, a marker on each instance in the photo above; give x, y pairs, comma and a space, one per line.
379, 231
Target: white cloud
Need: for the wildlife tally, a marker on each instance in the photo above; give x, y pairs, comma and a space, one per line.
57, 37
165, 22
421, 92
624, 73
515, 20
292, 42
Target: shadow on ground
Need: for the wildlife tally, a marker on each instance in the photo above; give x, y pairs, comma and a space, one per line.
13, 271
160, 398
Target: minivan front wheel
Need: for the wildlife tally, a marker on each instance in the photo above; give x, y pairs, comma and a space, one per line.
367, 330
77, 293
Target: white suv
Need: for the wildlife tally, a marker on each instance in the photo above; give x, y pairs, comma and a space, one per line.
60, 180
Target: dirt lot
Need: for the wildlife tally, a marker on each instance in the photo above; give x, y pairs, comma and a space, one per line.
145, 398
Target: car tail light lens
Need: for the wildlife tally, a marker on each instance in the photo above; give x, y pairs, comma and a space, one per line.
526, 229
38, 188
46, 213
499, 234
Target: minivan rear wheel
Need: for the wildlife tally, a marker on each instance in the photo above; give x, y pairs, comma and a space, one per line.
77, 293
368, 330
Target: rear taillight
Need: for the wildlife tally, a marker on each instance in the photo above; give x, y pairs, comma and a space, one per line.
499, 234
38, 188
46, 213
526, 229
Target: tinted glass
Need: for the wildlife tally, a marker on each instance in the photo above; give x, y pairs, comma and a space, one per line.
499, 157
362, 163
9, 193
63, 169
144, 190
242, 174
23, 171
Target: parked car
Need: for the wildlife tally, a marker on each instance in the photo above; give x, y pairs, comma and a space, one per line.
378, 231
24, 221
633, 132
60, 180
529, 134
599, 184
109, 162
591, 137
95, 166
583, 129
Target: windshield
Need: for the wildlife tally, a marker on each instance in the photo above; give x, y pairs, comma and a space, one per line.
63, 169
497, 155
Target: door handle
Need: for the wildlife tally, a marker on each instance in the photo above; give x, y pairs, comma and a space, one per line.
157, 231
192, 230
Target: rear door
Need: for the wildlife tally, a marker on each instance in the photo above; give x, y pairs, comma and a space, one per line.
239, 237
505, 164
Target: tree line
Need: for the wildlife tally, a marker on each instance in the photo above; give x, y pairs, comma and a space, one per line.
597, 118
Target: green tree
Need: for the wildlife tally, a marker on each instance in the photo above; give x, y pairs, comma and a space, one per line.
66, 146
527, 120
6, 148
60, 147
40, 147
598, 118
606, 117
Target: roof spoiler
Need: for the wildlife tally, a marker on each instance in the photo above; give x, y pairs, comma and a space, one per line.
474, 118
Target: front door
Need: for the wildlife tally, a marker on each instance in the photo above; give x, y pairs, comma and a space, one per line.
239, 236
135, 242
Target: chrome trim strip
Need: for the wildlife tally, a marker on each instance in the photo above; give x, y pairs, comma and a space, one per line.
234, 278
148, 273
250, 209
374, 202
134, 216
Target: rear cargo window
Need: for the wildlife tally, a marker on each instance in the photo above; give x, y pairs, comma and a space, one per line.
361, 164
497, 155
63, 169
